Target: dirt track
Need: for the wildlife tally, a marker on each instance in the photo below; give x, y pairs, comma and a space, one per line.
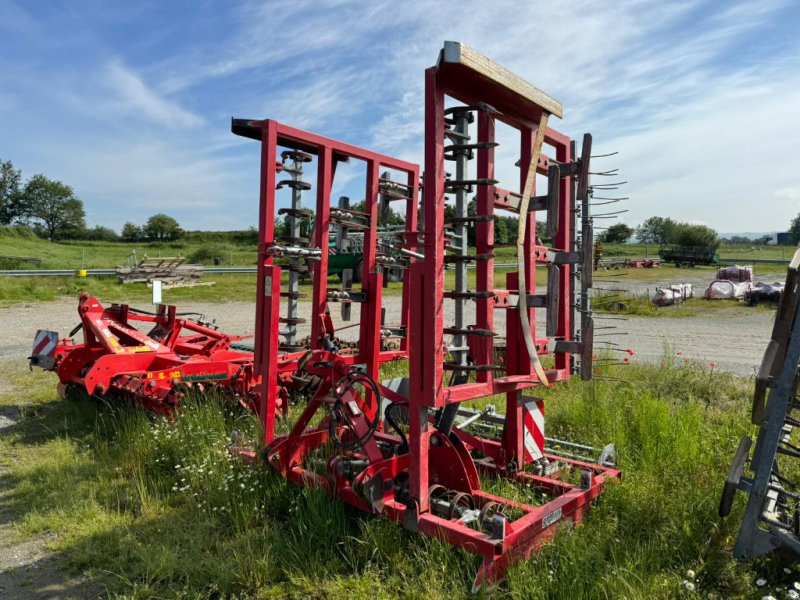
734, 339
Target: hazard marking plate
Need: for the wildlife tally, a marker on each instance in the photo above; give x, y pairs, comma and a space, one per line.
44, 343
533, 429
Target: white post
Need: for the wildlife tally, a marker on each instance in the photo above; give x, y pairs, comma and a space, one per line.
156, 291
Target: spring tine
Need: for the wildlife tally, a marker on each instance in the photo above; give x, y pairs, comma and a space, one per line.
607, 198
609, 173
612, 215
603, 203
607, 185
604, 155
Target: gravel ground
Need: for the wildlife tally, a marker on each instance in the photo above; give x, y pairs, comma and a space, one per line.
733, 339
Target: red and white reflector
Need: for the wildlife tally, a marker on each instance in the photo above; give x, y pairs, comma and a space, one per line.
44, 349
532, 429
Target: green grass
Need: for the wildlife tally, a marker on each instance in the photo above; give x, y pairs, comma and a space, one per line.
228, 287
160, 511
725, 251
106, 255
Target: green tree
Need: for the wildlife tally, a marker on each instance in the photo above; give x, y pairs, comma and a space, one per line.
52, 207
98, 233
698, 236
131, 232
619, 233
161, 228
541, 233
9, 192
794, 230
500, 231
655, 230
740, 240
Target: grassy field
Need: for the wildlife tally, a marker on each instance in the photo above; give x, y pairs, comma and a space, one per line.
160, 510
726, 251
100, 255
106, 255
242, 286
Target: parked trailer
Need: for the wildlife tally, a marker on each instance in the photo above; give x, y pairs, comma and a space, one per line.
688, 255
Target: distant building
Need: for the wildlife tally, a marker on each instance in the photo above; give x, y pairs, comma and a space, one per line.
779, 238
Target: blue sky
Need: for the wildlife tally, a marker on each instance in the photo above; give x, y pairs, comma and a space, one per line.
130, 103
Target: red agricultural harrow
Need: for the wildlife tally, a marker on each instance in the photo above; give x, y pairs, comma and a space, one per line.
153, 369
408, 449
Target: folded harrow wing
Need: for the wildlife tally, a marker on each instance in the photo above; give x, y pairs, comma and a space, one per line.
407, 449
154, 368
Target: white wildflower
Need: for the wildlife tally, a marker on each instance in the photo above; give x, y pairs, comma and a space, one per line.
688, 585
690, 574
761, 582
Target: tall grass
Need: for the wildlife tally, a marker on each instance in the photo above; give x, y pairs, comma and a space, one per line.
160, 510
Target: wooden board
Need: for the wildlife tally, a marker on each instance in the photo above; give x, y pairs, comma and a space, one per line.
519, 91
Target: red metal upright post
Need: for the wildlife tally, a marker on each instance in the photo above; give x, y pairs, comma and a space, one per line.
268, 287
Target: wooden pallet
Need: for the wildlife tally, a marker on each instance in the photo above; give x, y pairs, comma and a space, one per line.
169, 269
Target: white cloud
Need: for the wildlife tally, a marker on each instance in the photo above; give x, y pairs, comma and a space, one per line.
132, 96
703, 118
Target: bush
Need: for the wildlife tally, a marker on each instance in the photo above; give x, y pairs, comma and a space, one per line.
98, 233
206, 253
12, 264
22, 232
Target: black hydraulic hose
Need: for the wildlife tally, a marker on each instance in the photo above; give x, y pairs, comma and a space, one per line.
394, 425
338, 409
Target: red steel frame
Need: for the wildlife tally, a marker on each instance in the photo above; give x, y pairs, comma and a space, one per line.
268, 362
370, 475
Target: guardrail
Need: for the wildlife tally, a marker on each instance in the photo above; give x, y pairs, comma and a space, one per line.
105, 272
223, 270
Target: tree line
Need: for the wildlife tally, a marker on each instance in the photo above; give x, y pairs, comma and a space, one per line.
53, 211
666, 231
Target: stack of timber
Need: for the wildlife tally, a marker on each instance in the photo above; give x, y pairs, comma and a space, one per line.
170, 270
